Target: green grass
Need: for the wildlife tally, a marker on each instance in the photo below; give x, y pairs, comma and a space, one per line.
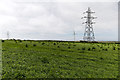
39, 59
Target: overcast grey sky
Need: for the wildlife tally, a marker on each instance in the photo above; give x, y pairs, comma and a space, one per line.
56, 20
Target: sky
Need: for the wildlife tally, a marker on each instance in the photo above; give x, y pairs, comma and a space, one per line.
57, 19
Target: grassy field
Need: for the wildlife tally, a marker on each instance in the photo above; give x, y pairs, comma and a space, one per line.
43, 59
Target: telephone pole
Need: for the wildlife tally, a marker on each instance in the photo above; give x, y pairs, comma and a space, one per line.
89, 33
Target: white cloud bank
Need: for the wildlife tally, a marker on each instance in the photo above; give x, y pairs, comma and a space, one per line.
56, 20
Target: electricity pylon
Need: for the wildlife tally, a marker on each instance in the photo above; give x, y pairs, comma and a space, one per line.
89, 33
7, 34
74, 35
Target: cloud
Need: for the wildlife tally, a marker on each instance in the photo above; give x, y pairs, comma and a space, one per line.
55, 20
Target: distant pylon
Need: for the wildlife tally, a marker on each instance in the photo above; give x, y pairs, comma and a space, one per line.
7, 34
89, 33
74, 35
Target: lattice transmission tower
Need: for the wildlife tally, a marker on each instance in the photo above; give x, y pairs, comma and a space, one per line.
74, 35
8, 34
89, 33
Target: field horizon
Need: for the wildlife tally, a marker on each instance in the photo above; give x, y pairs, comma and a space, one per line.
97, 41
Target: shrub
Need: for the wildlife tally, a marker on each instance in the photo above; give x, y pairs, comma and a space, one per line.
34, 44
101, 47
54, 43
106, 49
74, 45
83, 48
113, 48
88, 49
20, 40
43, 43
98, 45
101, 58
19, 75
45, 60
15, 40
69, 47
81, 52
26, 45
93, 47
118, 48
3, 41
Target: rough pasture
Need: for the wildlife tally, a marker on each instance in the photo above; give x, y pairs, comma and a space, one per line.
52, 59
